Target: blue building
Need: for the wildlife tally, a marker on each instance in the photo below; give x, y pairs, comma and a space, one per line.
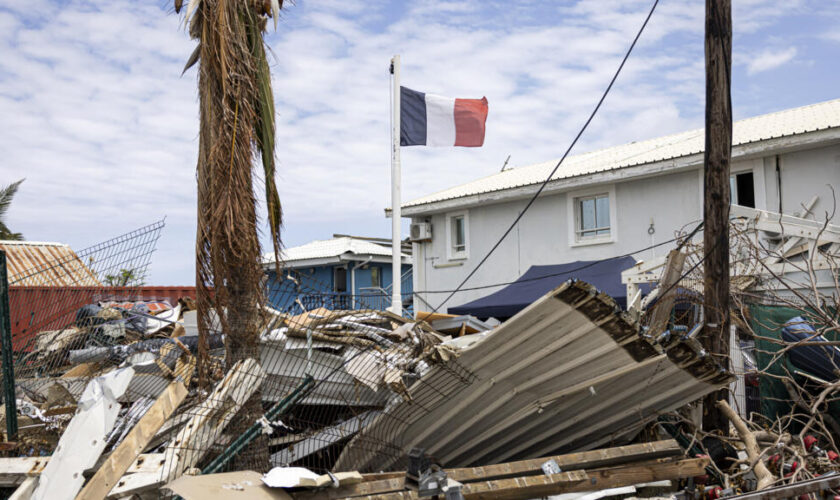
345, 272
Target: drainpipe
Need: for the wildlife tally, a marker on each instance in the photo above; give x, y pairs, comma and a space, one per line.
779, 182
353, 275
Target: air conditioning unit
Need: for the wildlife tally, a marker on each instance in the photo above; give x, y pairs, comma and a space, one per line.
421, 231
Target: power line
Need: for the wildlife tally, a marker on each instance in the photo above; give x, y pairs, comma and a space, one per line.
560, 162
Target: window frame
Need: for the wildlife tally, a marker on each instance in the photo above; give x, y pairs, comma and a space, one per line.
451, 252
573, 208
376, 271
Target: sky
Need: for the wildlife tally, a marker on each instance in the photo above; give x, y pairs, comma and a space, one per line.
95, 114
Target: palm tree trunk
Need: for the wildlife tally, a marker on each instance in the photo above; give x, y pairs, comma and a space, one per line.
231, 93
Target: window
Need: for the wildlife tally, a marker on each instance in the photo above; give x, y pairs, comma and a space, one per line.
742, 189
593, 216
375, 277
458, 235
459, 240
340, 280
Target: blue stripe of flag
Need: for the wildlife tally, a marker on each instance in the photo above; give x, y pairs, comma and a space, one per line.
412, 117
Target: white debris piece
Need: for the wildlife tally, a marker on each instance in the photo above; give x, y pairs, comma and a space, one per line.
287, 477
84, 439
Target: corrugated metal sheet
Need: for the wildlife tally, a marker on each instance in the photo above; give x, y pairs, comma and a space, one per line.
570, 372
781, 124
32, 263
334, 247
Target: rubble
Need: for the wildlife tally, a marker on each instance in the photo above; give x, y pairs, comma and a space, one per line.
359, 390
569, 372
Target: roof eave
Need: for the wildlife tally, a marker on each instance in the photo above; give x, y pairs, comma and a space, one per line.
773, 146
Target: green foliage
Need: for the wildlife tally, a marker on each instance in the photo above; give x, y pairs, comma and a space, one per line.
124, 277
7, 194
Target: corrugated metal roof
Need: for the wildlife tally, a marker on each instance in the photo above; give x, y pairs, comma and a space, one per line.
35, 263
334, 247
780, 124
567, 373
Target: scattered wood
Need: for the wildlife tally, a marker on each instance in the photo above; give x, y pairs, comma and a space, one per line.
528, 474
534, 486
127, 452
210, 417
84, 439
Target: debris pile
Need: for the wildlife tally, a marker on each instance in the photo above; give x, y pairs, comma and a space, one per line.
111, 407
122, 378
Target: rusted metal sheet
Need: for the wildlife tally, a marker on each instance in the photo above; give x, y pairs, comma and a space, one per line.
46, 264
570, 372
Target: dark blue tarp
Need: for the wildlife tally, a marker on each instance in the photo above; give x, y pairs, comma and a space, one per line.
539, 280
820, 360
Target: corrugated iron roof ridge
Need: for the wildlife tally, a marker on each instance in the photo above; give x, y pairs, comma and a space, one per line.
742, 134
35, 243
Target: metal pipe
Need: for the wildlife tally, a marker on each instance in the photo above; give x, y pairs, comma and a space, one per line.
396, 216
7, 354
279, 409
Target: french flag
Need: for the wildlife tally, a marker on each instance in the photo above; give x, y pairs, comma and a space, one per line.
433, 120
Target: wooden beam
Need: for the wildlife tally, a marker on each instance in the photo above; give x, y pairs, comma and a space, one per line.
661, 314
522, 488
211, 417
716, 200
132, 446
15, 470
395, 481
582, 460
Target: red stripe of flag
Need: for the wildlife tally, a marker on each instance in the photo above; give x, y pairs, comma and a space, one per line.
470, 116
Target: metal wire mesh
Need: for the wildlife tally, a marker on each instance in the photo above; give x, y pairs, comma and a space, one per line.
361, 360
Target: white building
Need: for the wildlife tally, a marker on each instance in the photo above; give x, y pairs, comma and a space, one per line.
617, 200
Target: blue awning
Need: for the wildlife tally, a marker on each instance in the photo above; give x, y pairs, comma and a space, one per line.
539, 280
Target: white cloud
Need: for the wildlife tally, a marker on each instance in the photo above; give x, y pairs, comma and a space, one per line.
95, 115
770, 59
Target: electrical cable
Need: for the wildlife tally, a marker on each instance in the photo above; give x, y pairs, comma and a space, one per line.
585, 266
560, 162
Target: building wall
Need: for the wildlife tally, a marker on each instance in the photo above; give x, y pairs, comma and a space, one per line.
320, 280
663, 203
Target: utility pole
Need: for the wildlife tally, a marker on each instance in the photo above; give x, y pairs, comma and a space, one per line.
716, 197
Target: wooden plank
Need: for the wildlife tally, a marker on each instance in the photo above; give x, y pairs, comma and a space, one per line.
131, 484
395, 481
84, 439
132, 446
522, 488
536, 486
582, 460
209, 418
83, 370
661, 314
15, 470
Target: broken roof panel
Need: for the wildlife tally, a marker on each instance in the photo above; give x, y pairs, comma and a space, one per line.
32, 263
569, 372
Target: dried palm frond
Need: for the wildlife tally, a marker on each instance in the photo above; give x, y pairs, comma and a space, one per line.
236, 124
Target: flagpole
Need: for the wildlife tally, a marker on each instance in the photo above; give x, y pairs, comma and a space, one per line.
396, 217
